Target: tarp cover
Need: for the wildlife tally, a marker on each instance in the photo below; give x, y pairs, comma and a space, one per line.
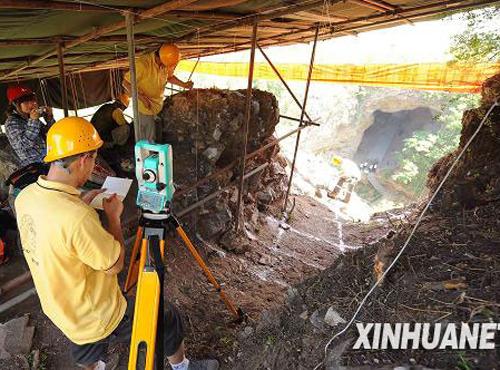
200, 28
94, 88
452, 77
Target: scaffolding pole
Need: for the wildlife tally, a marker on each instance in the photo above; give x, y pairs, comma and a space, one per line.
308, 83
62, 77
248, 106
129, 20
283, 81
223, 170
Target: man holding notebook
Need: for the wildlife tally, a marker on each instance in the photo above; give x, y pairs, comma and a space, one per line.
74, 260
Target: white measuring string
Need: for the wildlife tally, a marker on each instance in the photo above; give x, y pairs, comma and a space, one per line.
496, 103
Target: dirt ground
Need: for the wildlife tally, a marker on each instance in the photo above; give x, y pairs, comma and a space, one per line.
279, 255
448, 274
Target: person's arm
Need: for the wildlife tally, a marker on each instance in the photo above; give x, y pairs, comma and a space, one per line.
99, 248
113, 209
140, 95
24, 132
187, 85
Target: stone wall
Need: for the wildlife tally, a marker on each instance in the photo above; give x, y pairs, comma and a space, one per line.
206, 129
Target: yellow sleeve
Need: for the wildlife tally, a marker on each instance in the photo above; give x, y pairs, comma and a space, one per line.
139, 70
118, 117
93, 245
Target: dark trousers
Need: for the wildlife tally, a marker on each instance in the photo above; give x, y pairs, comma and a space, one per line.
90, 353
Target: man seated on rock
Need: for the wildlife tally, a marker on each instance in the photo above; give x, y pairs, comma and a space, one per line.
153, 71
111, 124
24, 129
74, 260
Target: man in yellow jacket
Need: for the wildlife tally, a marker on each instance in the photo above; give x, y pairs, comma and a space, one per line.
153, 71
74, 260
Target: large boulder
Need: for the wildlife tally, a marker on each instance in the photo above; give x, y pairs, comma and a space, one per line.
206, 129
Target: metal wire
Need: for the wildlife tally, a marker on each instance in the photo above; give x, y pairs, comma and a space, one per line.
412, 232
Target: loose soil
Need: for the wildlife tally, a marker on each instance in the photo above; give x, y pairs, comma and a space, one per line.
280, 254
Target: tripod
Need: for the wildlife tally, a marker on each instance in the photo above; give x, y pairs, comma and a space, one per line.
147, 270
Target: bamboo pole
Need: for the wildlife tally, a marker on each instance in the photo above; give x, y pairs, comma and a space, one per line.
282, 80
248, 107
14, 283
62, 77
56, 5
257, 18
103, 39
449, 6
255, 153
193, 206
99, 31
306, 95
298, 119
380, 7
74, 94
133, 76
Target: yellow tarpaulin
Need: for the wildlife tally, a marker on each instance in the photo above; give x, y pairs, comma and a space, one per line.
456, 77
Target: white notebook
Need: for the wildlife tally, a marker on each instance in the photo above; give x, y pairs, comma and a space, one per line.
113, 185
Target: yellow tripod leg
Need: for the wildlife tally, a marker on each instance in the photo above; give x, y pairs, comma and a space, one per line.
145, 313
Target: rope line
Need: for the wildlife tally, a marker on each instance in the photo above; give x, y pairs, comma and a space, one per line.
412, 232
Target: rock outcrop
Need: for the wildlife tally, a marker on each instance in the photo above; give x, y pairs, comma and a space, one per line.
475, 180
206, 129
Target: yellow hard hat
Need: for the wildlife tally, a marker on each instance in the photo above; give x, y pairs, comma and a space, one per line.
170, 55
70, 136
125, 99
337, 161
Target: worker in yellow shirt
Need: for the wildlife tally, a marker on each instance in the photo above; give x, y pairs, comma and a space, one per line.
74, 260
153, 71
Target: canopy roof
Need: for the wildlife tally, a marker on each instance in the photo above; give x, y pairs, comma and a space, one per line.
93, 36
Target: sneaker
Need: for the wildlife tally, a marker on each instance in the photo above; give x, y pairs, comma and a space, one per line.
203, 365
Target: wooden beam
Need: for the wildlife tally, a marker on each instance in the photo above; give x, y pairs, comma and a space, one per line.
202, 15
313, 16
133, 76
99, 31
445, 7
62, 78
379, 6
382, 4
57, 5
248, 108
247, 21
369, 5
217, 16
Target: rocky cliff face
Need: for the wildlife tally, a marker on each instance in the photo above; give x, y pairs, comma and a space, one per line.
206, 129
349, 112
475, 180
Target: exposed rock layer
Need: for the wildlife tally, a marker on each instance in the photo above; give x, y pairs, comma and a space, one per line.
206, 128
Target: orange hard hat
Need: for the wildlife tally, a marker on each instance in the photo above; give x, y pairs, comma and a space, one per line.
169, 55
70, 136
